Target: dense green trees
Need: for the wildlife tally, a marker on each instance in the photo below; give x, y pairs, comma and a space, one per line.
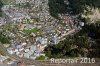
1, 4
4, 39
40, 58
93, 31
74, 7
85, 43
56, 7
78, 6
70, 47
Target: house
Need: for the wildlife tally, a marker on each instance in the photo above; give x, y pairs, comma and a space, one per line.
40, 48
21, 1
23, 44
26, 55
21, 54
17, 53
18, 46
81, 23
29, 27
12, 50
32, 48
13, 15
29, 51
42, 40
54, 40
2, 21
21, 49
26, 50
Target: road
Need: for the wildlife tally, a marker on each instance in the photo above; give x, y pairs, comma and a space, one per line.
44, 63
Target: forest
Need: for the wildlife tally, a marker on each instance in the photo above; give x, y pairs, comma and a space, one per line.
85, 43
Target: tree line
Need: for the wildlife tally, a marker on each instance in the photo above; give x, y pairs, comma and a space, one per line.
85, 43
74, 7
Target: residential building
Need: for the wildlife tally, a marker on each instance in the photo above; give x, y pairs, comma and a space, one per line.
42, 40
2, 21
21, 1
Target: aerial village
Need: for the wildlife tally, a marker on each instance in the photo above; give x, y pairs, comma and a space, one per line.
35, 28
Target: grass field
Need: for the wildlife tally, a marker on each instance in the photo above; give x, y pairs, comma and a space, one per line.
34, 30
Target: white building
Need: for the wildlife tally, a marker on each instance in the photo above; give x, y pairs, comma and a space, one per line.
12, 50
26, 55
81, 23
42, 40
27, 50
2, 21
